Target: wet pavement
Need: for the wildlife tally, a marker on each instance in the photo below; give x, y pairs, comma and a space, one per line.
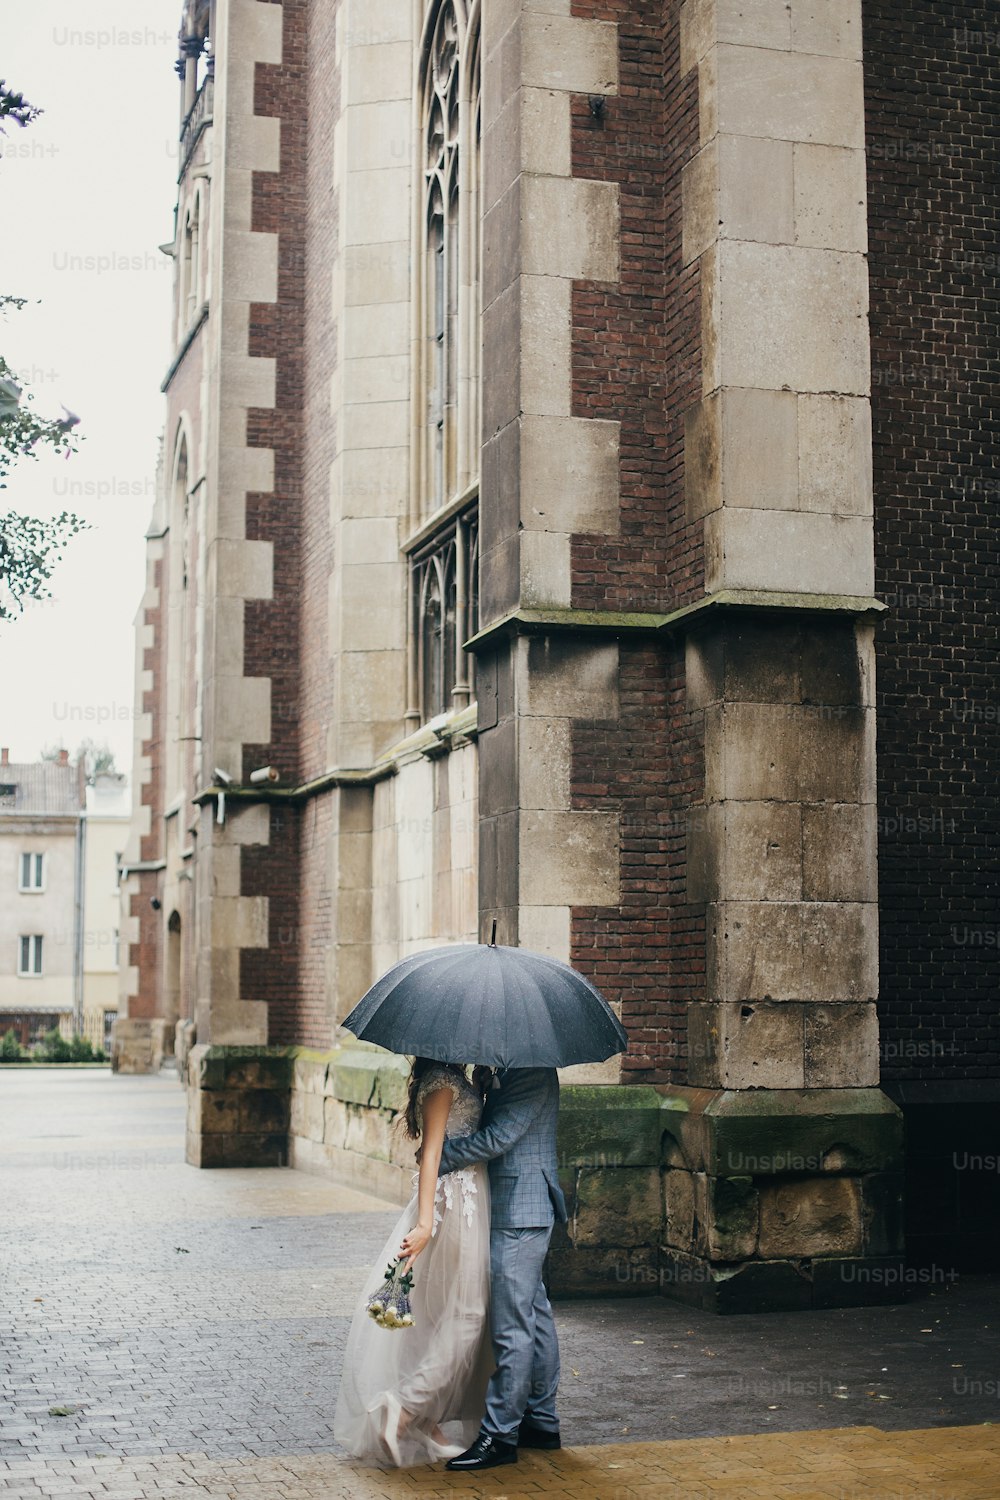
170, 1331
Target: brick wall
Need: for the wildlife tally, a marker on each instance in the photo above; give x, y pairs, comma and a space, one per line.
932, 128
636, 360
316, 679
145, 955
272, 645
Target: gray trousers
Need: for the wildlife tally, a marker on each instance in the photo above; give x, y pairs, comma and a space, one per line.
525, 1346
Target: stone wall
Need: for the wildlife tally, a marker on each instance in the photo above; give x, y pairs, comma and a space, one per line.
736, 1202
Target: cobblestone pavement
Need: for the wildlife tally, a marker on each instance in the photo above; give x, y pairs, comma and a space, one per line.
174, 1332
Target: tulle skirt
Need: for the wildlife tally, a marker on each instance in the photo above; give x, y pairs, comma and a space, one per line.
435, 1373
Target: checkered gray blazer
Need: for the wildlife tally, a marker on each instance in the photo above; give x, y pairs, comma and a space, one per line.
517, 1138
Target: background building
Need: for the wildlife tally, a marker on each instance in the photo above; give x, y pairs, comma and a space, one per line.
107, 813
571, 405
61, 839
41, 848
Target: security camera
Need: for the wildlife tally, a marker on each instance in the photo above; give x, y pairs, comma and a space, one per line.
265, 773
223, 777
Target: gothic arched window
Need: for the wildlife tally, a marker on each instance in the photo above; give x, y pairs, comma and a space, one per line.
446, 377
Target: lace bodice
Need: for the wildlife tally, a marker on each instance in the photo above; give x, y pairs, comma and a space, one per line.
466, 1106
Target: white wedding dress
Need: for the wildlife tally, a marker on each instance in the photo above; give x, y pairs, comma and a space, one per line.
437, 1370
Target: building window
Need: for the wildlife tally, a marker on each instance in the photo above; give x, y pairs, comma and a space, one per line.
444, 550
448, 289
29, 957
32, 873
445, 599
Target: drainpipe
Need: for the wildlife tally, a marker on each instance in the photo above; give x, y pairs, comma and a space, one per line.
78, 918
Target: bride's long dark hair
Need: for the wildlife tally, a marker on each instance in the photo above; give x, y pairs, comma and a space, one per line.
482, 1078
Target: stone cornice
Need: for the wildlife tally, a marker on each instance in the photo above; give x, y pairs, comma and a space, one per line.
628, 622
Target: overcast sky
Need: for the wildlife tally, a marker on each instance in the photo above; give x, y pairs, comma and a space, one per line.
86, 197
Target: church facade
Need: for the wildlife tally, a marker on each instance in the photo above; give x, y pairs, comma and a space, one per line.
572, 515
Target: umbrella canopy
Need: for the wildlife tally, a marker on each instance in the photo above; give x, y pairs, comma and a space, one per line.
483, 1003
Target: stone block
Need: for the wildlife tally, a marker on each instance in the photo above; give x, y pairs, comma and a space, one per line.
263, 1111
218, 1111
258, 1067
568, 54
569, 474
503, 250
392, 1082
559, 675
745, 1044
751, 753
790, 317
829, 27
839, 950
835, 455
700, 202
368, 1132
755, 189
788, 551
307, 1115
601, 1127
678, 1193
375, 205
731, 1223
789, 96
697, 31
544, 570
758, 1286
544, 758
841, 1046
206, 1067
618, 1205
753, 951
502, 325
569, 858
588, 1272
759, 454
499, 578
817, 1216
546, 929
334, 1122
839, 852
376, 273
830, 198
830, 665
569, 227
545, 346
761, 857
354, 1076
703, 457
764, 1131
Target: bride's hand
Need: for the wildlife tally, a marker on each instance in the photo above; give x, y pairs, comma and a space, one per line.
417, 1240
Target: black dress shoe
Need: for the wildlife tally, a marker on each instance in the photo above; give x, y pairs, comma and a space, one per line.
486, 1453
530, 1436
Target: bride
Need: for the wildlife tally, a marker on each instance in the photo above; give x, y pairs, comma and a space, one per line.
409, 1395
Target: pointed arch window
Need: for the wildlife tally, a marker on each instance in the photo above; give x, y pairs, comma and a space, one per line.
443, 549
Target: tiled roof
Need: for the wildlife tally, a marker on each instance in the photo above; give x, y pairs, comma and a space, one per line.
42, 787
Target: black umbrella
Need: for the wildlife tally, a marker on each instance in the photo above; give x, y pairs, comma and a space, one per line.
480, 1003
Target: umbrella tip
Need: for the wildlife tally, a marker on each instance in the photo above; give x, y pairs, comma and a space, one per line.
493, 934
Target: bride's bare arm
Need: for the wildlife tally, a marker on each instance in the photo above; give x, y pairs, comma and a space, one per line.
435, 1114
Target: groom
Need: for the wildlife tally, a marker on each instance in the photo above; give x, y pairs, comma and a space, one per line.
518, 1139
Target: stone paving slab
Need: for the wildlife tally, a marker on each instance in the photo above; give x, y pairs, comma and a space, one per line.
194, 1321
836, 1464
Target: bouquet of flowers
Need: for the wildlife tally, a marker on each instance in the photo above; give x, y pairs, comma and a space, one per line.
390, 1305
